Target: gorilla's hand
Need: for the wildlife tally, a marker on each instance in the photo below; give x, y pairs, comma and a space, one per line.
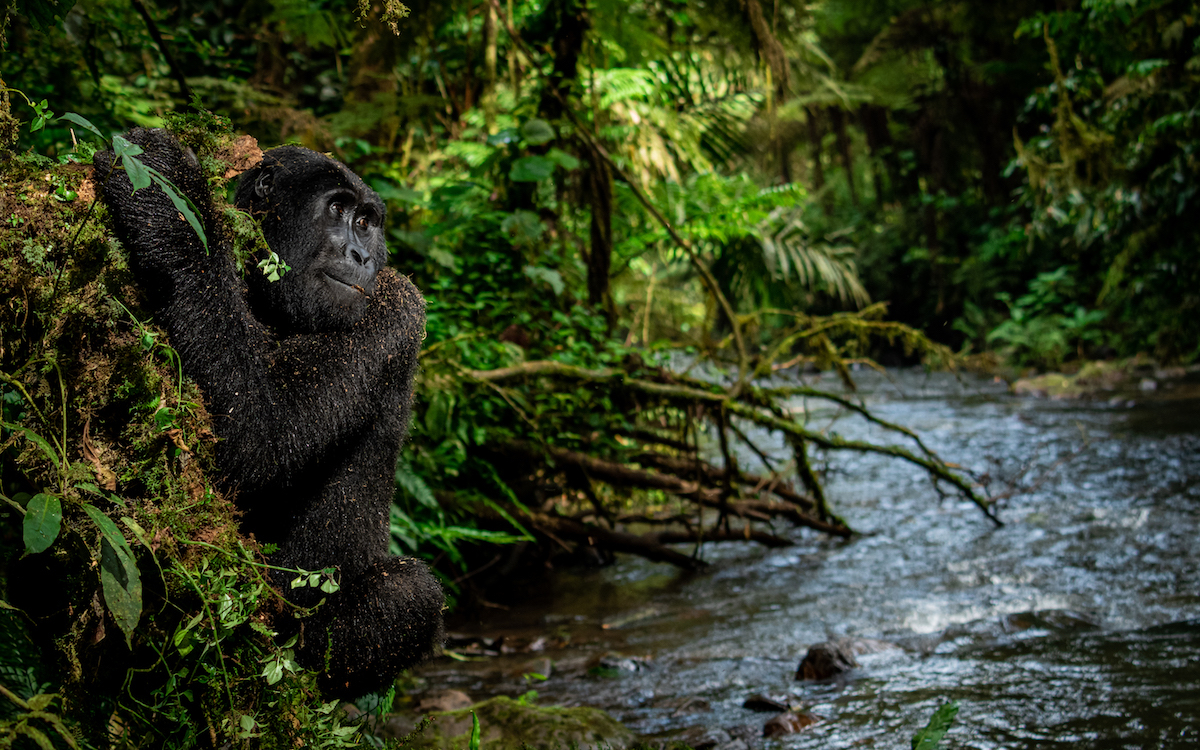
158, 249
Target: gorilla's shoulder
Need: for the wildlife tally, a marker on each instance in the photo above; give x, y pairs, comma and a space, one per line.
397, 292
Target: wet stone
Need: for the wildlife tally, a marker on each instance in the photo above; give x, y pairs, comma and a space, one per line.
789, 723
704, 738
825, 661
766, 704
444, 700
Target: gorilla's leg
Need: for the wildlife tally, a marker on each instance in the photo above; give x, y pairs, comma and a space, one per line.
385, 621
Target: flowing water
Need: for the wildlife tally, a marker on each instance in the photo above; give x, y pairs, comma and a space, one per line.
1075, 625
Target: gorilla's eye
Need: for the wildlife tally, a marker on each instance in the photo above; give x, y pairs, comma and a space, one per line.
363, 222
337, 208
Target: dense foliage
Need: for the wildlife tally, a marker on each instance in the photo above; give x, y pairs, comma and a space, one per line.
626, 217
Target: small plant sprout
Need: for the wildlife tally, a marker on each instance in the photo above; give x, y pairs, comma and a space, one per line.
273, 267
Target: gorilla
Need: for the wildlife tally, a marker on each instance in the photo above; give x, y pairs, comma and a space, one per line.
309, 383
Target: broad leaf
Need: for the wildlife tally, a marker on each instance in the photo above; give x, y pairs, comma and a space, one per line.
536, 132
563, 159
43, 520
531, 169
36, 439
83, 123
183, 205
118, 574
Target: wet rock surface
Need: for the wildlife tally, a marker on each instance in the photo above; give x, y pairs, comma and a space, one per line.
832, 659
787, 723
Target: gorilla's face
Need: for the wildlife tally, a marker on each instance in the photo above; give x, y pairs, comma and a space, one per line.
327, 225
351, 251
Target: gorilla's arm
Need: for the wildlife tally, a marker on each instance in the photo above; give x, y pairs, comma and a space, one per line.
272, 402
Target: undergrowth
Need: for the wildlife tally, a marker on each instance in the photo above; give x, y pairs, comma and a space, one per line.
132, 612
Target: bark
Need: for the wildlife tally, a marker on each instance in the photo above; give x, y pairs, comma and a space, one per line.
617, 541
815, 134
622, 475
599, 257
874, 122
769, 48
745, 534
838, 119
748, 402
488, 97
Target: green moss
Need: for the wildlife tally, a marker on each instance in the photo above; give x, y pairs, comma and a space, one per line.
115, 429
506, 724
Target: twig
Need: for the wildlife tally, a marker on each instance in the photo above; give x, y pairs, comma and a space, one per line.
176, 71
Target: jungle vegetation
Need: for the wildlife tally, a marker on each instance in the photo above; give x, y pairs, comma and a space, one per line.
634, 222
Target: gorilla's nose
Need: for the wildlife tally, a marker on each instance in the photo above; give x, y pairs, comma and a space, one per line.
360, 256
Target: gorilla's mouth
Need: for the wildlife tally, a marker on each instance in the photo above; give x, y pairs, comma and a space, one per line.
350, 285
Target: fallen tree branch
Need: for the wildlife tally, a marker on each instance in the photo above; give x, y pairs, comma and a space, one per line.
618, 541
679, 465
694, 391
746, 534
620, 475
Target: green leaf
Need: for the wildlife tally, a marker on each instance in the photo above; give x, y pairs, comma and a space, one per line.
474, 743
183, 205
83, 123
503, 138
536, 132
38, 737
139, 174
118, 574
929, 737
43, 519
413, 485
563, 159
37, 440
548, 275
122, 587
44, 14
531, 169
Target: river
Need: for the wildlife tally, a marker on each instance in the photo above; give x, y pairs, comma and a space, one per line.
1075, 625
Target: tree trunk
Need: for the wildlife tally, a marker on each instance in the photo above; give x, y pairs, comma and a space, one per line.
488, 97
769, 48
838, 119
815, 135
599, 258
874, 121
571, 23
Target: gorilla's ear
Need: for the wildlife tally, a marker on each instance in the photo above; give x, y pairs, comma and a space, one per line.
263, 184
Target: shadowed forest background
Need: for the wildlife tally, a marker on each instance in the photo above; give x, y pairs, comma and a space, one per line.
627, 216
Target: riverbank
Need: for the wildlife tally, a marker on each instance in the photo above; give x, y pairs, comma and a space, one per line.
1076, 623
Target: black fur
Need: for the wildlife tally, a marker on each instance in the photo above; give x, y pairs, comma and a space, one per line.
309, 383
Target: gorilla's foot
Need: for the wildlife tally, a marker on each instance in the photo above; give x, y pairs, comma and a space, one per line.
383, 622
